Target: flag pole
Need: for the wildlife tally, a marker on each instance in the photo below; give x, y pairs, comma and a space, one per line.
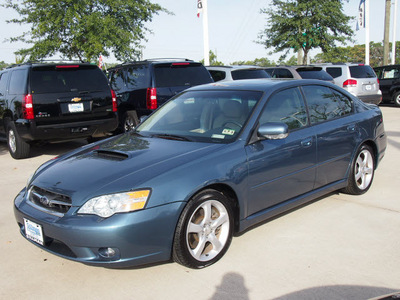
367, 32
205, 34
394, 34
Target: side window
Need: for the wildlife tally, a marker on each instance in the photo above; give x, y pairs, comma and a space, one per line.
18, 82
344, 102
286, 106
217, 75
3, 83
334, 71
325, 104
117, 80
283, 73
390, 73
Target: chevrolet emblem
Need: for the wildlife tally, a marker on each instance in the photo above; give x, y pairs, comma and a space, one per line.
76, 99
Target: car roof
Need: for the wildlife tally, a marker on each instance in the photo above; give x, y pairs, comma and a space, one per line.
234, 67
265, 84
155, 61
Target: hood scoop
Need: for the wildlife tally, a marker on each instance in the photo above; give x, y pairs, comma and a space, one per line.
110, 155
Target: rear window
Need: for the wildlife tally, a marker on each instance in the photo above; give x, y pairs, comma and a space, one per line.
362, 72
169, 75
314, 74
249, 74
59, 79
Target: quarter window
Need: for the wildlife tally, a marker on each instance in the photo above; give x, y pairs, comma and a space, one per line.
326, 104
18, 82
287, 107
3, 83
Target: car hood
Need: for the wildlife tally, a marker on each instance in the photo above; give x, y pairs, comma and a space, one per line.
120, 164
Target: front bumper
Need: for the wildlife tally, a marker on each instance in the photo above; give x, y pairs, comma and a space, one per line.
139, 238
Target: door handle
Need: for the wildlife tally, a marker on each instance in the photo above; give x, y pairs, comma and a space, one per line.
306, 143
351, 128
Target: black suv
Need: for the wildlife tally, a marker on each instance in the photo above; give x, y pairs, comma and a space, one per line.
54, 102
142, 86
389, 83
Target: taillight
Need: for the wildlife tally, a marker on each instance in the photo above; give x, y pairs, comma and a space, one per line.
67, 66
350, 82
114, 101
151, 98
27, 108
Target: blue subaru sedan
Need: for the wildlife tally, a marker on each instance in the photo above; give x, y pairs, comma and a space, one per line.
213, 161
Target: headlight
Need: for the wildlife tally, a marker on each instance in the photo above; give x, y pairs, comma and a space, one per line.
107, 205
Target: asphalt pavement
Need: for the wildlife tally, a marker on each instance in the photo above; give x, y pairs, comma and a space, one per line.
339, 247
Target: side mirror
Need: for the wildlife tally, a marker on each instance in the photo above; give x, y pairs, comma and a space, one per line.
273, 131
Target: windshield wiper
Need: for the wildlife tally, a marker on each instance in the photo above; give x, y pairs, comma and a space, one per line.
171, 137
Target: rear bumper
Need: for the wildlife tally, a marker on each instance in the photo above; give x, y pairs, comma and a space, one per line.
30, 131
373, 99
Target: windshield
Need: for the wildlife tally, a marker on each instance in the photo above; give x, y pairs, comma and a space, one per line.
202, 116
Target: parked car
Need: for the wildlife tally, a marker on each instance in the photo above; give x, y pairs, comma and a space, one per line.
227, 73
54, 102
389, 83
358, 79
299, 72
142, 86
213, 161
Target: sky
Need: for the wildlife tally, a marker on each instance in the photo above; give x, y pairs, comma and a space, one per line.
234, 26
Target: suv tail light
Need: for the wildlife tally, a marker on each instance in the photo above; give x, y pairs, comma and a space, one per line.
151, 98
350, 82
114, 101
27, 108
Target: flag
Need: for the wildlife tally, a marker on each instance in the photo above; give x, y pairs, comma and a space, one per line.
101, 61
361, 15
199, 8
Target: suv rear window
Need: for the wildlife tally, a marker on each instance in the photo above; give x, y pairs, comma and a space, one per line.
58, 79
317, 73
362, 72
168, 75
249, 74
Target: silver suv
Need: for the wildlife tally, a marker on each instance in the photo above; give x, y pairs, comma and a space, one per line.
358, 79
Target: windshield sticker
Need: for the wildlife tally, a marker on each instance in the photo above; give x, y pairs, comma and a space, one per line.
228, 131
218, 136
189, 101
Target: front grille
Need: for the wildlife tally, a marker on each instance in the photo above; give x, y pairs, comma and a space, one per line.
48, 201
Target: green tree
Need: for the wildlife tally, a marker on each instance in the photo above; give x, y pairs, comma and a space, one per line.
356, 53
261, 62
3, 65
213, 60
305, 24
83, 29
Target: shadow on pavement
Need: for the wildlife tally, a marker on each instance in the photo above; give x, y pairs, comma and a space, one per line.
339, 292
48, 148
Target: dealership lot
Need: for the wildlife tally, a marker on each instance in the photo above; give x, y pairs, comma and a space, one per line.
340, 247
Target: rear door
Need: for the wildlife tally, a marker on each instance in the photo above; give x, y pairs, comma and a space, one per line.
67, 93
389, 80
331, 114
367, 82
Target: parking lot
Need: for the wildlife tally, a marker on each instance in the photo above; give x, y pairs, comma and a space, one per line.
339, 247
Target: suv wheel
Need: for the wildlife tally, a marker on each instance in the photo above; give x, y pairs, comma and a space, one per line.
396, 99
17, 147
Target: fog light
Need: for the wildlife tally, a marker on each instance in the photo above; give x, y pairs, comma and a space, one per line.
107, 252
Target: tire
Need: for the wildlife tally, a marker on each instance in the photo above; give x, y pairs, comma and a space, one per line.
396, 99
129, 121
362, 172
204, 230
17, 147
